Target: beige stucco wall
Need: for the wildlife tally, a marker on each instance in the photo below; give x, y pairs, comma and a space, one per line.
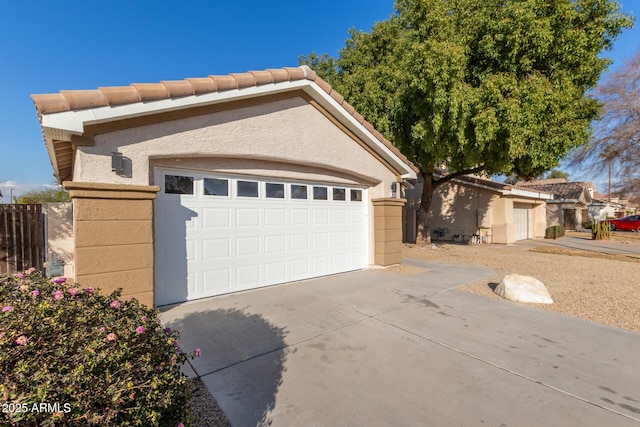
455, 208
113, 238
59, 219
287, 131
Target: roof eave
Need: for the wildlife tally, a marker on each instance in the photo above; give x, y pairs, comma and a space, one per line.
66, 124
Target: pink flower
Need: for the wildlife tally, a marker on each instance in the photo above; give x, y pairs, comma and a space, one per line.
35, 293
73, 291
180, 425
144, 318
88, 290
140, 329
111, 337
102, 329
22, 340
168, 331
7, 309
60, 280
19, 275
31, 270
58, 295
115, 304
198, 354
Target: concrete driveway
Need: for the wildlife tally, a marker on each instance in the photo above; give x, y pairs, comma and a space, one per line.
374, 348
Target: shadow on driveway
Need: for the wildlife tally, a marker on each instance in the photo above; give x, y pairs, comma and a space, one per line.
229, 337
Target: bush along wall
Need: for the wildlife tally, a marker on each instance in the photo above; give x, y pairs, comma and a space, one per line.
70, 356
554, 232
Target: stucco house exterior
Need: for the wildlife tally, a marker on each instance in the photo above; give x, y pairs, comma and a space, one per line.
571, 201
471, 206
206, 186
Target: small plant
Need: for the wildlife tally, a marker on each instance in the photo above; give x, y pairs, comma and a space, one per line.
600, 230
70, 356
554, 232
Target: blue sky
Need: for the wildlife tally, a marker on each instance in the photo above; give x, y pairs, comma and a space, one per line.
47, 46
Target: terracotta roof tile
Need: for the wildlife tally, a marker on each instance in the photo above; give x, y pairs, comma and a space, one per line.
151, 91
225, 82
78, 99
335, 95
348, 107
279, 75
262, 77
50, 103
296, 73
178, 88
323, 85
118, 95
244, 80
202, 85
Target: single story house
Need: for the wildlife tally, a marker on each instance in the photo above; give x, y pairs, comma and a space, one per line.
471, 206
570, 204
205, 186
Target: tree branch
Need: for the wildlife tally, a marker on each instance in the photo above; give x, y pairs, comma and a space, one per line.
446, 178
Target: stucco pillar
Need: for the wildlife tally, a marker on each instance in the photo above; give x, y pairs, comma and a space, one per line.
539, 220
387, 220
113, 237
502, 228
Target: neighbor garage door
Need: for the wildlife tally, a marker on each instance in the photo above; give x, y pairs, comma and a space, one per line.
216, 234
522, 220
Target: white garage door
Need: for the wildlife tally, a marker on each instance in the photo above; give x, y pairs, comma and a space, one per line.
217, 234
521, 220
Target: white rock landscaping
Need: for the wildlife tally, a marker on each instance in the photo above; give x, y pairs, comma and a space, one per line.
516, 287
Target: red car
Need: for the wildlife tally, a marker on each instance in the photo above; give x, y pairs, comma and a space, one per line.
631, 222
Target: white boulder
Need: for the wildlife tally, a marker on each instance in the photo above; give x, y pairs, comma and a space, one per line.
516, 287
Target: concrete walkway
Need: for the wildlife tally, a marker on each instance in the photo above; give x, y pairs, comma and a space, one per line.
372, 348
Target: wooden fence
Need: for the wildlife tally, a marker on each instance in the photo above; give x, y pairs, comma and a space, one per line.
21, 238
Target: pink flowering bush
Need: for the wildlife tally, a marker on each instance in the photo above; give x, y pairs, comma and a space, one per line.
104, 361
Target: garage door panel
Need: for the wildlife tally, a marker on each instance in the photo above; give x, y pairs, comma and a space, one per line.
226, 243
274, 217
275, 244
247, 246
299, 216
275, 272
213, 218
216, 249
247, 217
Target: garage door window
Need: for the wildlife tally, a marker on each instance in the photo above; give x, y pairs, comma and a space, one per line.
216, 187
176, 184
247, 189
320, 193
299, 192
356, 195
339, 194
275, 191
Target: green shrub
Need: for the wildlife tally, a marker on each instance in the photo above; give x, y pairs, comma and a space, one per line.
554, 232
83, 358
600, 230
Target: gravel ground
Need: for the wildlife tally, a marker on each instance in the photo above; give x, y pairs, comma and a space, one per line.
599, 290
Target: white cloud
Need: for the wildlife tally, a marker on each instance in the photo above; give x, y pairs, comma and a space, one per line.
16, 188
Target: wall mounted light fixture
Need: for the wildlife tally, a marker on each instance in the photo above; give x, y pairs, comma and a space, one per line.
117, 164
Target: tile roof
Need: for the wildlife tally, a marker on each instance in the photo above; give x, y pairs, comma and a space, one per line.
70, 100
559, 187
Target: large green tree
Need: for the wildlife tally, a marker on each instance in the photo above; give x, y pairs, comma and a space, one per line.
470, 86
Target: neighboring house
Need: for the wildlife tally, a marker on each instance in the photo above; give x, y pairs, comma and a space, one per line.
605, 206
471, 206
206, 186
571, 202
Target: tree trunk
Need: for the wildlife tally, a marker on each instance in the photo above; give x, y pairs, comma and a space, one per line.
423, 234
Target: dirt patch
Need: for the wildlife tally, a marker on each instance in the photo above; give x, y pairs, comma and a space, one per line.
587, 254
601, 290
